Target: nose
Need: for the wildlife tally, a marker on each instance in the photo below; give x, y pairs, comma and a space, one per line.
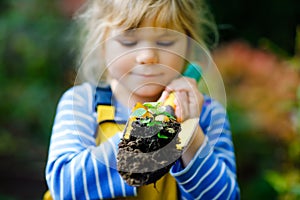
147, 56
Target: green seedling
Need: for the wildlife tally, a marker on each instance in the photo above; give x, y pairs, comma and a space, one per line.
155, 109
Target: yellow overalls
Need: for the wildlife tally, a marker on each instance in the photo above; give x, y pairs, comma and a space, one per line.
166, 188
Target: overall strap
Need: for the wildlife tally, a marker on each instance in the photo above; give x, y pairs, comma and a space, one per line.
103, 95
103, 106
107, 125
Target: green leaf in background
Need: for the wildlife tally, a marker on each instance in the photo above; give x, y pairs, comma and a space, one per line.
35, 68
278, 181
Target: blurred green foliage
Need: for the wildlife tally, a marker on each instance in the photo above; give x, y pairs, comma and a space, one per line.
35, 61
37, 66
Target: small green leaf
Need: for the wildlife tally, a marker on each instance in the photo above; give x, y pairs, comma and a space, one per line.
161, 110
162, 136
139, 112
157, 111
152, 110
154, 123
152, 104
168, 115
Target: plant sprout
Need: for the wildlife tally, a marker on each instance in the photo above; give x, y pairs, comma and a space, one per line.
153, 113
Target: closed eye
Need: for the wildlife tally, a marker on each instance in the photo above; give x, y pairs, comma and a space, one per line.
127, 43
165, 43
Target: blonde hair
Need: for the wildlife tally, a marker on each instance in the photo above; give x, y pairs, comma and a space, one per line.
97, 17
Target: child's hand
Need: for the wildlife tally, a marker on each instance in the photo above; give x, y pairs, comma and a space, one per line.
188, 99
189, 102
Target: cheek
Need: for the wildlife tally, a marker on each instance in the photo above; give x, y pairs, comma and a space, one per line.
118, 62
174, 62
119, 67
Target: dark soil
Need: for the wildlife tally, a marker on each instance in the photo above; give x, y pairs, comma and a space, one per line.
145, 156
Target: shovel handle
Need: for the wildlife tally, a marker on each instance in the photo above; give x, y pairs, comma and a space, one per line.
192, 71
170, 100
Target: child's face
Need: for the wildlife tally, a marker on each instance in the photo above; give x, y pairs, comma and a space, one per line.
145, 60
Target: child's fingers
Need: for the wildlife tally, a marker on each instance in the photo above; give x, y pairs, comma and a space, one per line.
182, 107
182, 83
189, 99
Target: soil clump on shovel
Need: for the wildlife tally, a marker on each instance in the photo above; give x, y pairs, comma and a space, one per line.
150, 145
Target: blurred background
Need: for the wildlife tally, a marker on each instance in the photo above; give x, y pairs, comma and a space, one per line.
258, 56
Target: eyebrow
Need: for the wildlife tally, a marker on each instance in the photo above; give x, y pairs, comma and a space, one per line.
132, 31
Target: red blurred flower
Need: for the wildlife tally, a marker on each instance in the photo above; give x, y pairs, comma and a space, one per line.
263, 85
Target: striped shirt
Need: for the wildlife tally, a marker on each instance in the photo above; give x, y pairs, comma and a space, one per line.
79, 169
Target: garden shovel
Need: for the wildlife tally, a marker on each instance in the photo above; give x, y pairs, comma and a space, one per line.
188, 126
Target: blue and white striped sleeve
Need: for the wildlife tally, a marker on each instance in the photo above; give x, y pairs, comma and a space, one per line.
76, 167
211, 174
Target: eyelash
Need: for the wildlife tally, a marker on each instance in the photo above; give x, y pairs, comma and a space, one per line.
165, 43
128, 43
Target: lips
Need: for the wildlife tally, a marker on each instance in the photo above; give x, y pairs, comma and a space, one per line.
147, 75
147, 71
